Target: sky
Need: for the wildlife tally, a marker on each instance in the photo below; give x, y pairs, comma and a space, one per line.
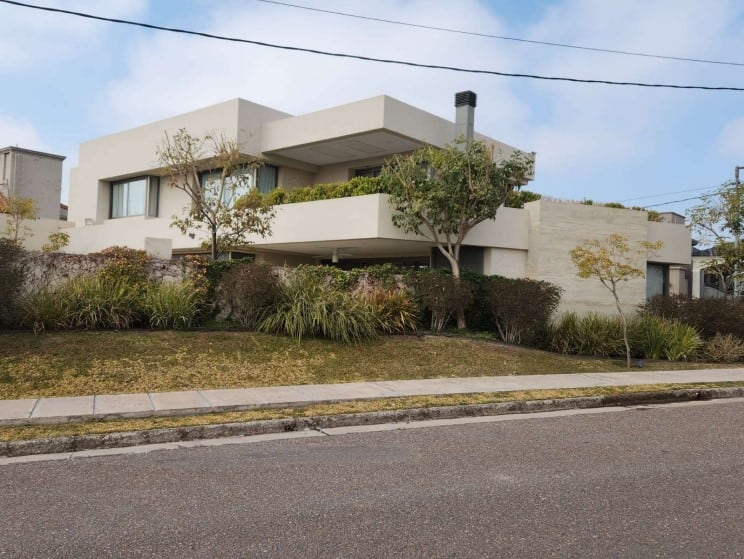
65, 80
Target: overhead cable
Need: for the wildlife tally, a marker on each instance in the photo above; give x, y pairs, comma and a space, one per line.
370, 58
503, 37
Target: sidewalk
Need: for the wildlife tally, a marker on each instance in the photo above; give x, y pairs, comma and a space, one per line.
62, 410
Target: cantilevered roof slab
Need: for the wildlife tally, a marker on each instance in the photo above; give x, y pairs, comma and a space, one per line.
374, 127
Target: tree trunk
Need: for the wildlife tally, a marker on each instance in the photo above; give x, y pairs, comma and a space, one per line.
460, 311
214, 244
625, 329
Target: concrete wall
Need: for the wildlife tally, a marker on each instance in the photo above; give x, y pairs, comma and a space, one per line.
40, 229
557, 227
35, 175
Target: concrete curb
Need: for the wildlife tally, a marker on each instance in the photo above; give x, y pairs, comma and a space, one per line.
77, 443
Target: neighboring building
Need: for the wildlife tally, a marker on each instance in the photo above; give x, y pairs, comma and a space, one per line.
119, 196
26, 173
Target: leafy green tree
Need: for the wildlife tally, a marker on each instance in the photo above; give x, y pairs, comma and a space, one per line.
442, 194
718, 221
224, 203
18, 211
612, 261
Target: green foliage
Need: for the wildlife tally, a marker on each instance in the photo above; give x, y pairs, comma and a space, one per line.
440, 294
125, 264
56, 242
518, 198
707, 316
171, 305
357, 186
602, 336
724, 348
222, 210
12, 278
18, 210
394, 311
521, 308
593, 334
247, 292
311, 306
477, 316
85, 302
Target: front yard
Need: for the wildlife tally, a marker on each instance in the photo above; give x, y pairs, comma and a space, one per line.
110, 362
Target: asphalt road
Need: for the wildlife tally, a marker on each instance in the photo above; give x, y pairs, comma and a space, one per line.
662, 482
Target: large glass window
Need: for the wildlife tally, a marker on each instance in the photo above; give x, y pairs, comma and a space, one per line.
264, 178
234, 187
136, 196
267, 178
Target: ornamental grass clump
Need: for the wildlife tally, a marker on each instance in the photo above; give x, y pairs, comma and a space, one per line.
171, 305
85, 302
309, 306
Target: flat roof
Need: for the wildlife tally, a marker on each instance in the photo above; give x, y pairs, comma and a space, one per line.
32, 152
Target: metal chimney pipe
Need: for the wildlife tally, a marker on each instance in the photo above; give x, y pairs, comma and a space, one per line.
464, 114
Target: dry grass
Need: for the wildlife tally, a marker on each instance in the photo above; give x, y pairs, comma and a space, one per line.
105, 362
11, 433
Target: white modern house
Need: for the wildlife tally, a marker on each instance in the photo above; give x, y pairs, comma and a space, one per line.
120, 196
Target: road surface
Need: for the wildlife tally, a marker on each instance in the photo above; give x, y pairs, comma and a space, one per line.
651, 482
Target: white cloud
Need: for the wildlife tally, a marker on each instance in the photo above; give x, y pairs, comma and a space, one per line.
17, 132
30, 37
731, 140
168, 74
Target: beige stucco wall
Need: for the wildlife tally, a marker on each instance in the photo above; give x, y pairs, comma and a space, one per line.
134, 152
40, 229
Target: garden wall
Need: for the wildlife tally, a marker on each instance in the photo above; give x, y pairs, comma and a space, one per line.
51, 269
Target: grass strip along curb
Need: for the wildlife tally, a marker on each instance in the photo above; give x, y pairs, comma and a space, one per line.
197, 432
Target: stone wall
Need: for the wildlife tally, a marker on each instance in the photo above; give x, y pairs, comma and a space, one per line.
45, 270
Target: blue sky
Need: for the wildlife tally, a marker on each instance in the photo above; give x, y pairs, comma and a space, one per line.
67, 80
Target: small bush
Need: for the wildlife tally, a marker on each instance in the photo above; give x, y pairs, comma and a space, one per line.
725, 348
85, 302
358, 186
12, 279
521, 308
708, 316
592, 334
311, 306
684, 342
125, 264
477, 315
246, 293
441, 295
648, 336
171, 305
394, 311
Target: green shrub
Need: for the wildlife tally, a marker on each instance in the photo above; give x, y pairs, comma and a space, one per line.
246, 293
12, 279
358, 186
125, 264
311, 306
394, 311
171, 305
85, 302
592, 334
648, 336
477, 315
708, 316
684, 342
521, 308
440, 294
725, 348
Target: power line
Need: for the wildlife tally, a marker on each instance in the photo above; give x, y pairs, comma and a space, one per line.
665, 194
503, 37
370, 58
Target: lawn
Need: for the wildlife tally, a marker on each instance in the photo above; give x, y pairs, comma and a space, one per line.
113, 362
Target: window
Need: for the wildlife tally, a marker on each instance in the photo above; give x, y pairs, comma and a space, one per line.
657, 280
136, 196
265, 178
368, 171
